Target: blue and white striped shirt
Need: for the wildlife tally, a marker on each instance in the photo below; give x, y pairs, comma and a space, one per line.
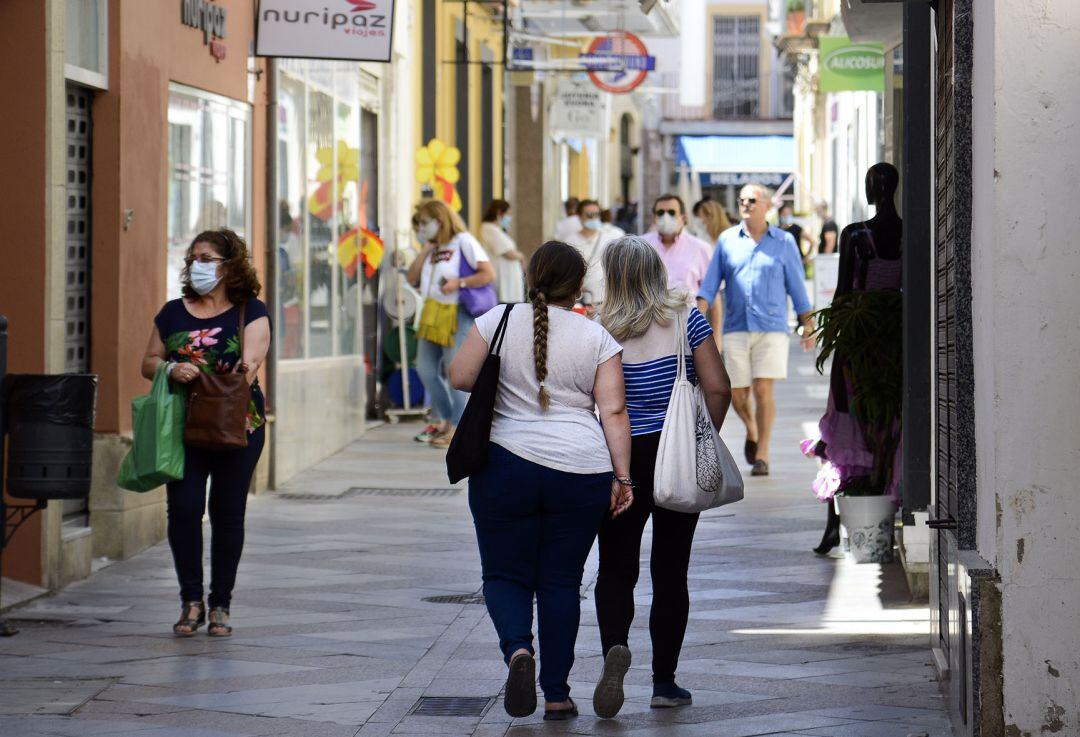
649, 383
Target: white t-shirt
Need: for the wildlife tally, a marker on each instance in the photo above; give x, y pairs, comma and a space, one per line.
567, 437
567, 227
445, 262
509, 277
592, 250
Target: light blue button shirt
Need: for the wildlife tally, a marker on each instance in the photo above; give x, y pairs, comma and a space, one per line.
759, 277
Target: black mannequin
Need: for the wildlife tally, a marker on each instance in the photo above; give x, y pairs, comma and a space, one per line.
856, 252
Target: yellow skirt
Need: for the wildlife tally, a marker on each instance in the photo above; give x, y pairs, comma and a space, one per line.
438, 322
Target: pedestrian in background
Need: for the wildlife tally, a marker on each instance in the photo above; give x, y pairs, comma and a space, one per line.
548, 482
803, 242
709, 219
829, 230
610, 230
685, 257
571, 221
437, 271
509, 275
199, 333
590, 242
645, 315
760, 266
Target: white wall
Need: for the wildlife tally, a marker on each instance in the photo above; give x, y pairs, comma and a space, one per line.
1026, 264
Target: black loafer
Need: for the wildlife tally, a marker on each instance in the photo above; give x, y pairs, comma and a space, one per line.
761, 468
520, 697
561, 715
750, 451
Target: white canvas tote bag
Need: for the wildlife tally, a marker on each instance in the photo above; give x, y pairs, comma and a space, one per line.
694, 468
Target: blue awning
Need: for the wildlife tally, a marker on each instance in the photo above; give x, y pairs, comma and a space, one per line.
737, 153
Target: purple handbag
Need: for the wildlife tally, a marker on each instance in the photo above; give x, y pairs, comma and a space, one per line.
479, 300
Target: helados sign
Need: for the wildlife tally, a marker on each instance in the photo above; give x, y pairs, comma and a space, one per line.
847, 66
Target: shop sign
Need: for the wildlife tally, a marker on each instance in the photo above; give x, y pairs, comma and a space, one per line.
578, 109
618, 62
350, 30
208, 18
739, 179
847, 66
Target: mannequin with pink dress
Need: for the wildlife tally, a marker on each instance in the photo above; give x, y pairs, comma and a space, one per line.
870, 259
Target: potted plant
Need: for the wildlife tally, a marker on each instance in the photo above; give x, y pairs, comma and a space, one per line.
863, 330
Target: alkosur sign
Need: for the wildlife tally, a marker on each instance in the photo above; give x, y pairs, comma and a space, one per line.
847, 66
352, 30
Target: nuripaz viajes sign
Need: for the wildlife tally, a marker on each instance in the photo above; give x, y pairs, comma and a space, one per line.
352, 30
844, 66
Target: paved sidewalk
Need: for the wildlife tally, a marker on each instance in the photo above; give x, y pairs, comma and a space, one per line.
339, 629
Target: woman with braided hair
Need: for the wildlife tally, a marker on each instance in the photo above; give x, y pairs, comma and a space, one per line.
553, 471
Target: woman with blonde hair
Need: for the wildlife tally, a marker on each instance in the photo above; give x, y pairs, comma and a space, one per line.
552, 474
651, 322
711, 220
450, 261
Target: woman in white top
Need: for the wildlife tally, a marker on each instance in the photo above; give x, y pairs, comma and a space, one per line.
509, 276
444, 323
641, 312
591, 241
548, 482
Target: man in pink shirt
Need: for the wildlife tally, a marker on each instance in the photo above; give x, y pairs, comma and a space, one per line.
686, 257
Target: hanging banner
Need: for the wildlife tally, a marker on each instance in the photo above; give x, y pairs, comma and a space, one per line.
847, 66
578, 109
350, 30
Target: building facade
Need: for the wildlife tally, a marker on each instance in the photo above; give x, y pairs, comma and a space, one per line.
144, 124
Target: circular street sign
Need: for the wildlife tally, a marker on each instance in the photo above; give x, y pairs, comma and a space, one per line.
625, 55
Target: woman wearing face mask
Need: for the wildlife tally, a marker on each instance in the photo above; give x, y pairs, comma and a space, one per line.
509, 276
590, 242
450, 260
200, 333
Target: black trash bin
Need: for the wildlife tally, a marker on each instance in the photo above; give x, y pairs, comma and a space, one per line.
50, 423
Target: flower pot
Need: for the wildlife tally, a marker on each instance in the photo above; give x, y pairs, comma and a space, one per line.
869, 524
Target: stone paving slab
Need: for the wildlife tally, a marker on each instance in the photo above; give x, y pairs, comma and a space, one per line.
335, 637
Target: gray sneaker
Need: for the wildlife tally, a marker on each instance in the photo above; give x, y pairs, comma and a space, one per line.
608, 697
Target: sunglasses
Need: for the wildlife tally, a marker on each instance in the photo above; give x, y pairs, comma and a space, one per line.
661, 213
204, 259
747, 201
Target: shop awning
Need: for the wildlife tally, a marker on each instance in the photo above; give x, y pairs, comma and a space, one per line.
737, 153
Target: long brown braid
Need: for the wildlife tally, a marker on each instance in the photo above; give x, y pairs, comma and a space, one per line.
556, 272
540, 336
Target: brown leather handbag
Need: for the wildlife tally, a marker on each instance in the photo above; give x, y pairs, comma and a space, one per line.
217, 407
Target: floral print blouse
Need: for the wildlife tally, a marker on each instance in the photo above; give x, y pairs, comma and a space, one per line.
212, 344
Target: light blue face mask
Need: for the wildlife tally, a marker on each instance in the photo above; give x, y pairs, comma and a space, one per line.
203, 276
504, 221
593, 224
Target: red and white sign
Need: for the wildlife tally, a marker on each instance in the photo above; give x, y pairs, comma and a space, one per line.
618, 62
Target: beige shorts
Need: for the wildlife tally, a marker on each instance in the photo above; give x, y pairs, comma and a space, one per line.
749, 356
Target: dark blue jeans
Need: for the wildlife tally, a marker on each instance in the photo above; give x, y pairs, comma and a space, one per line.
535, 527
230, 473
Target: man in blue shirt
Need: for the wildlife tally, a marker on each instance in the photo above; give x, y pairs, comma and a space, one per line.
760, 266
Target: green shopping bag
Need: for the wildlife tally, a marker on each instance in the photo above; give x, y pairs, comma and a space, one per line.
157, 455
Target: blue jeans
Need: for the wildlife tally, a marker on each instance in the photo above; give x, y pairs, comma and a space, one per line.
535, 527
433, 365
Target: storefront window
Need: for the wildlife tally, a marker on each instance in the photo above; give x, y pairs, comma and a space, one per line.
320, 194
208, 171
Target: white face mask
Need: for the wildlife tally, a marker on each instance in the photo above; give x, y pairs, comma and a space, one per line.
667, 224
203, 276
428, 230
593, 224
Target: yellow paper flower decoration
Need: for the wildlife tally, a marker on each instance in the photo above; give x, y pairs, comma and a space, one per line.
437, 160
348, 163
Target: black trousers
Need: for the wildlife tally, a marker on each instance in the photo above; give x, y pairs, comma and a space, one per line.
230, 473
620, 557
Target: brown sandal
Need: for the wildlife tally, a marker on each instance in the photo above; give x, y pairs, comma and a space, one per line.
219, 622
189, 624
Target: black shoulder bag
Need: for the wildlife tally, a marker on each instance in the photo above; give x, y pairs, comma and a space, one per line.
468, 450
